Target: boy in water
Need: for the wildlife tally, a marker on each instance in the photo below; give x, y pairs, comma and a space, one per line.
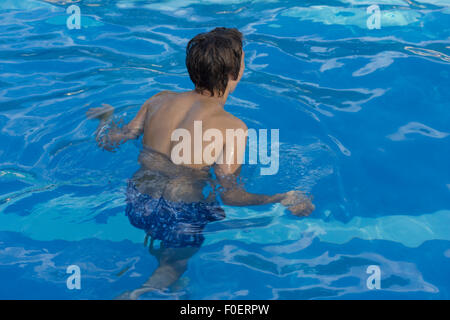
165, 197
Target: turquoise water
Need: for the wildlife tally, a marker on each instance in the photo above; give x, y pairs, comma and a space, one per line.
364, 126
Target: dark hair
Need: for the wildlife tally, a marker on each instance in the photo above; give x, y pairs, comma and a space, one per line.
212, 57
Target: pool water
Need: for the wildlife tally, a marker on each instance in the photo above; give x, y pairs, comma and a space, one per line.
364, 120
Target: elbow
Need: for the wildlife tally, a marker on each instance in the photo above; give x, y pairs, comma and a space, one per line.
230, 198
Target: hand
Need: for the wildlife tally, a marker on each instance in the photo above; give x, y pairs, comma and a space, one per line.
101, 113
297, 203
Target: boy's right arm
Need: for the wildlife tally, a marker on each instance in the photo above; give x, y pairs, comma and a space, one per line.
232, 193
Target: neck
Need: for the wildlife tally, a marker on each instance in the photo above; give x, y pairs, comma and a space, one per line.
207, 95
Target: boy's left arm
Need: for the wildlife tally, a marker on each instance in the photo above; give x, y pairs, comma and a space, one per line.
110, 137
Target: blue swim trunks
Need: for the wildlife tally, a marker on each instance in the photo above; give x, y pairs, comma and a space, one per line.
176, 224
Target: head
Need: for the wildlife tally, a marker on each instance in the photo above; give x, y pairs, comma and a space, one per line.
215, 61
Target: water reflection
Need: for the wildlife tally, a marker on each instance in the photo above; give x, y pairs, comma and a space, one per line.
428, 53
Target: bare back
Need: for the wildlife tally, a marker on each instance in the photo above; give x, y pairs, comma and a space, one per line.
161, 115
179, 111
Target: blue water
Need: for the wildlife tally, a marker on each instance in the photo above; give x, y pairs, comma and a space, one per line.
364, 119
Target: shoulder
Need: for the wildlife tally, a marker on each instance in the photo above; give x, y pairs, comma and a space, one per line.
233, 122
158, 98
161, 94
164, 93
225, 120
